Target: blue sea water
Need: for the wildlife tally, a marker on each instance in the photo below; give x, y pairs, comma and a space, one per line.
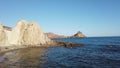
97, 52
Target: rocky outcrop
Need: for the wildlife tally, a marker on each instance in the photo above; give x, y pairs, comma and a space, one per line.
26, 34
23, 35
78, 35
67, 44
52, 35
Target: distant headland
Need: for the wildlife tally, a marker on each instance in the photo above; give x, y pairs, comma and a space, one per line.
77, 35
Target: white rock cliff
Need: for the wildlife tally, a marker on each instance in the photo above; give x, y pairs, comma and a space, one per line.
24, 33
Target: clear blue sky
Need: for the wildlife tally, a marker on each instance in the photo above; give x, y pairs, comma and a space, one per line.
65, 17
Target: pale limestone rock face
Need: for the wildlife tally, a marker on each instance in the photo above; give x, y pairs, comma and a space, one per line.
33, 35
24, 33
3, 36
27, 34
17, 33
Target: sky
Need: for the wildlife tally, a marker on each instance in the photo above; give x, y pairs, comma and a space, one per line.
65, 17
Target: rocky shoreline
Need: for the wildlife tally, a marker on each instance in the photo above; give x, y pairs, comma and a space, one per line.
25, 35
54, 44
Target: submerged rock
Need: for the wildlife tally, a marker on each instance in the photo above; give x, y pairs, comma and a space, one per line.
68, 44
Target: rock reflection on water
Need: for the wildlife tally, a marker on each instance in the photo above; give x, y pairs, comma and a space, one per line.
23, 58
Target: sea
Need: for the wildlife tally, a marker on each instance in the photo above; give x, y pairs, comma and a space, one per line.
97, 52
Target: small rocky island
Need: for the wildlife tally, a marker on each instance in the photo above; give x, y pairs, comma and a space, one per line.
26, 34
78, 35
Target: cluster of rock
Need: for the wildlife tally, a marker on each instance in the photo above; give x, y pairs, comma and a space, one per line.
23, 34
77, 35
26, 34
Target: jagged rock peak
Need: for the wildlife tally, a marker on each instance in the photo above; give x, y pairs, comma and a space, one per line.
78, 35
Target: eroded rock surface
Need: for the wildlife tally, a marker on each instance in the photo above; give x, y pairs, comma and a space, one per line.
28, 34
24, 34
